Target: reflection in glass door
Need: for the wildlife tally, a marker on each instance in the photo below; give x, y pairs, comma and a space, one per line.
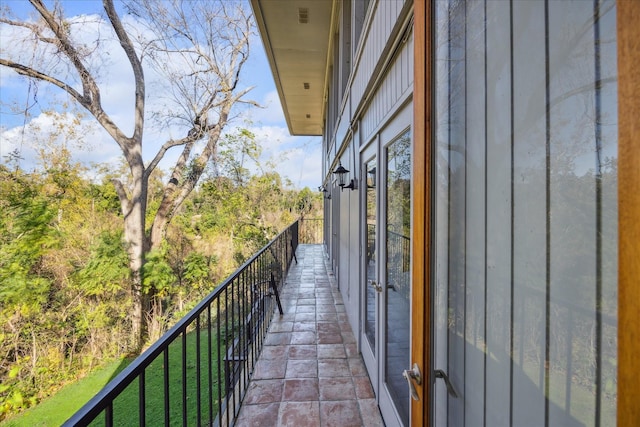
369, 291
525, 213
386, 288
397, 287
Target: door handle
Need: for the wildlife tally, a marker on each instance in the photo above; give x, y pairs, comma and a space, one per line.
376, 286
413, 375
439, 373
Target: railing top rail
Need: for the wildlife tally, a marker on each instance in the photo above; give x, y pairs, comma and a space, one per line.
393, 233
100, 401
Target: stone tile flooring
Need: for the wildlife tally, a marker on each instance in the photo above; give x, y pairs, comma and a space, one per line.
310, 372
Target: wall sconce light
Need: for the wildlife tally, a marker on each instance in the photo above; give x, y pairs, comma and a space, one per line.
371, 181
322, 189
352, 185
342, 172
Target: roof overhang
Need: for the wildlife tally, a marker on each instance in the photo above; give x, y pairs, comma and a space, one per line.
297, 37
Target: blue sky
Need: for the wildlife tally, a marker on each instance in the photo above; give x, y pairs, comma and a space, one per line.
298, 158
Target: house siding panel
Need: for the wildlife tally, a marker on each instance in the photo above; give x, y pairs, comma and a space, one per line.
385, 15
393, 91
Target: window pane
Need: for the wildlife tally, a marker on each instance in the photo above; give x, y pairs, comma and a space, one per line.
370, 293
398, 285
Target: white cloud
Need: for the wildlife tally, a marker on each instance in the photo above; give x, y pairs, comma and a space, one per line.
305, 162
271, 111
299, 158
88, 142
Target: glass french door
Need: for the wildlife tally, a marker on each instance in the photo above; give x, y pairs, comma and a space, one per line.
525, 250
370, 290
386, 262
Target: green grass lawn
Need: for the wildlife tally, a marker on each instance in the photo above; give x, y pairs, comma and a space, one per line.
57, 409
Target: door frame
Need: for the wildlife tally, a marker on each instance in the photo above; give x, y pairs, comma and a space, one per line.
421, 335
628, 33
400, 122
369, 355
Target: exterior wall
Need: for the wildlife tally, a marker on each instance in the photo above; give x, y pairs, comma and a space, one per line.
376, 37
370, 63
393, 91
380, 84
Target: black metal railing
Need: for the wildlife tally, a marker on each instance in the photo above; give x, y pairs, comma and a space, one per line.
206, 359
399, 263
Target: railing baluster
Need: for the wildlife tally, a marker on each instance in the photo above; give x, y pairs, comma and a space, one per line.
141, 399
522, 336
567, 399
244, 349
246, 334
198, 372
219, 356
167, 414
184, 377
233, 343
241, 331
227, 345
209, 365
108, 415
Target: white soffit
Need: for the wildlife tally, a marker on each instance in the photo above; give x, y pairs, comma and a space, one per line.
296, 37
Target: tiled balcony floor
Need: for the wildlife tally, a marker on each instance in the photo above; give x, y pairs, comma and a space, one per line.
309, 372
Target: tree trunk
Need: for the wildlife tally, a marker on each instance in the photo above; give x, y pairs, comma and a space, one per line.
158, 230
136, 240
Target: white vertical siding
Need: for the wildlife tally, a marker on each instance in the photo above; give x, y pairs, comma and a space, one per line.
385, 16
394, 88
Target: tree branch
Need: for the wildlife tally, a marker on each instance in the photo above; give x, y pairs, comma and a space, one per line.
163, 150
89, 87
136, 65
30, 26
30, 72
242, 93
90, 96
125, 202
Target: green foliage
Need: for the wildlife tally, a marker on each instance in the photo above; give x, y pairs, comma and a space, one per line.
44, 321
104, 197
158, 276
306, 201
66, 291
107, 270
196, 269
27, 233
236, 149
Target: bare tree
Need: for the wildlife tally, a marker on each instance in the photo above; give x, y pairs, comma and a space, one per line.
195, 50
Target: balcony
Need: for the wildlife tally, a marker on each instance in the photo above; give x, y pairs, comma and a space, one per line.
271, 345
310, 372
